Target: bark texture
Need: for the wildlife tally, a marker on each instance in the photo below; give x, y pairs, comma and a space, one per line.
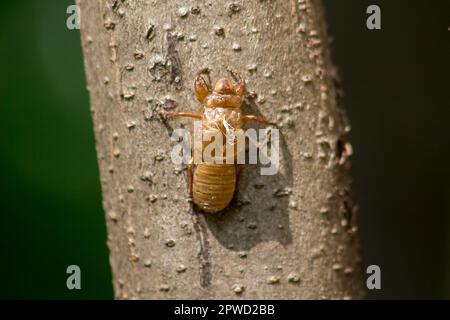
289, 236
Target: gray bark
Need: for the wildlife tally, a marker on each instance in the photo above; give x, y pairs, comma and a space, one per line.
289, 236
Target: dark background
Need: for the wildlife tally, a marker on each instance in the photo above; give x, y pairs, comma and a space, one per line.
396, 82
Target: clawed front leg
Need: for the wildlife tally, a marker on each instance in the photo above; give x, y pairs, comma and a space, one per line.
202, 89
239, 86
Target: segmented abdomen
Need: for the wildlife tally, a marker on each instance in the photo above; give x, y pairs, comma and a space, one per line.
214, 186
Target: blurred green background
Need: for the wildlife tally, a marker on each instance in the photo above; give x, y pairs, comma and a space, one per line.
397, 96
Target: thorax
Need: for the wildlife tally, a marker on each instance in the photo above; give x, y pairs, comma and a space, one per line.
223, 119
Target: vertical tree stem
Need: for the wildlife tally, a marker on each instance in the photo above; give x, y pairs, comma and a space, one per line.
290, 236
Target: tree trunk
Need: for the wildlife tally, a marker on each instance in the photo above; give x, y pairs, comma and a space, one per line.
289, 236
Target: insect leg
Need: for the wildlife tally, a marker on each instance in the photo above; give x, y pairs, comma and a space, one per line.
190, 176
182, 114
240, 85
240, 170
202, 89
